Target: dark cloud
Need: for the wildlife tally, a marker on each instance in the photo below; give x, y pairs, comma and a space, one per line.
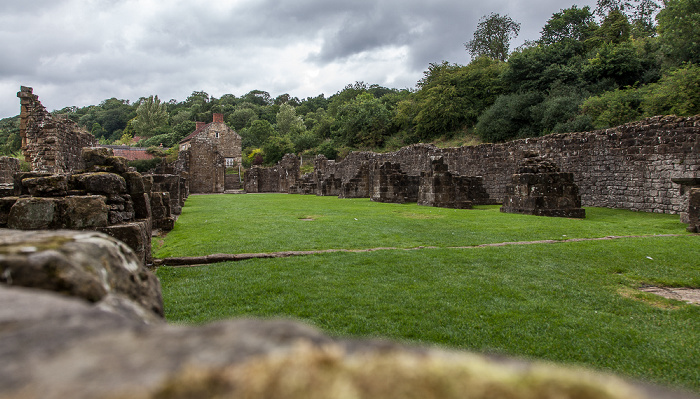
78, 53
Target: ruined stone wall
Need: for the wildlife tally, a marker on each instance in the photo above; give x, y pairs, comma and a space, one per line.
8, 168
629, 167
281, 178
50, 144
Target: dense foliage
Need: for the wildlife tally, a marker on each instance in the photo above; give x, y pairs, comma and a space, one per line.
590, 68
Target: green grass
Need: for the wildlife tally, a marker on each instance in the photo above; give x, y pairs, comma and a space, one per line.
275, 222
571, 302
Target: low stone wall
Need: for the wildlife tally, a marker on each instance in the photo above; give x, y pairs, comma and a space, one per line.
628, 167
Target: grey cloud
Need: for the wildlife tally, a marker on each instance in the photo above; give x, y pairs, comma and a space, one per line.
88, 51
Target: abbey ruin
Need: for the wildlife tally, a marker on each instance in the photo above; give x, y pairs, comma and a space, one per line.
649, 166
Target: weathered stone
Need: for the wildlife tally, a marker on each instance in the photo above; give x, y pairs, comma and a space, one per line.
21, 189
390, 184
59, 347
694, 210
100, 183
629, 166
34, 214
540, 189
136, 235
277, 179
47, 186
440, 188
83, 264
96, 156
8, 167
84, 212
6, 204
209, 150
50, 144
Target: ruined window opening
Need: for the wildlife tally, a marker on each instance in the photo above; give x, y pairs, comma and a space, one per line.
217, 135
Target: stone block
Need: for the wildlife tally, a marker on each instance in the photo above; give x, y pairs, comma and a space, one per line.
99, 183
47, 186
34, 214
136, 235
84, 212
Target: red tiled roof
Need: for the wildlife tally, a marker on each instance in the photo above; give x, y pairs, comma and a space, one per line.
130, 153
188, 138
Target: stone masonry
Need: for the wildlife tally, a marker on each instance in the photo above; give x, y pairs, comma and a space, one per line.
440, 188
8, 167
540, 188
50, 144
105, 196
207, 152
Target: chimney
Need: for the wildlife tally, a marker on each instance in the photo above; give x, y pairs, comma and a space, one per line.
218, 118
199, 125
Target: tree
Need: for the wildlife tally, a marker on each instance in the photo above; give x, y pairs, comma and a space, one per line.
451, 97
679, 30
242, 118
150, 115
275, 149
613, 108
288, 123
258, 132
492, 37
364, 122
615, 28
641, 14
677, 93
511, 116
570, 24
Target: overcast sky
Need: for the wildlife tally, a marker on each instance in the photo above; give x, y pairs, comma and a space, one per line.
81, 52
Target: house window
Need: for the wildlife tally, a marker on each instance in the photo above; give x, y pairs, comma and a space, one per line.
217, 135
229, 162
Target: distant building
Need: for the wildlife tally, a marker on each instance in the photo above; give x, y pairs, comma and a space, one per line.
208, 151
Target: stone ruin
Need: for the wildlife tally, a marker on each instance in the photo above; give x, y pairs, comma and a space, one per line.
390, 184
441, 188
8, 167
540, 188
694, 210
105, 196
50, 144
279, 178
635, 166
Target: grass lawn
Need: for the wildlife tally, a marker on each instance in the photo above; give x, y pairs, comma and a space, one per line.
572, 302
252, 223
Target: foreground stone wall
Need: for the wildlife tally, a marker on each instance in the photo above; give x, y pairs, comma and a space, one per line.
50, 144
628, 167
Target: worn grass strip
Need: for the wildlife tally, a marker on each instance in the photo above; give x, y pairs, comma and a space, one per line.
190, 261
